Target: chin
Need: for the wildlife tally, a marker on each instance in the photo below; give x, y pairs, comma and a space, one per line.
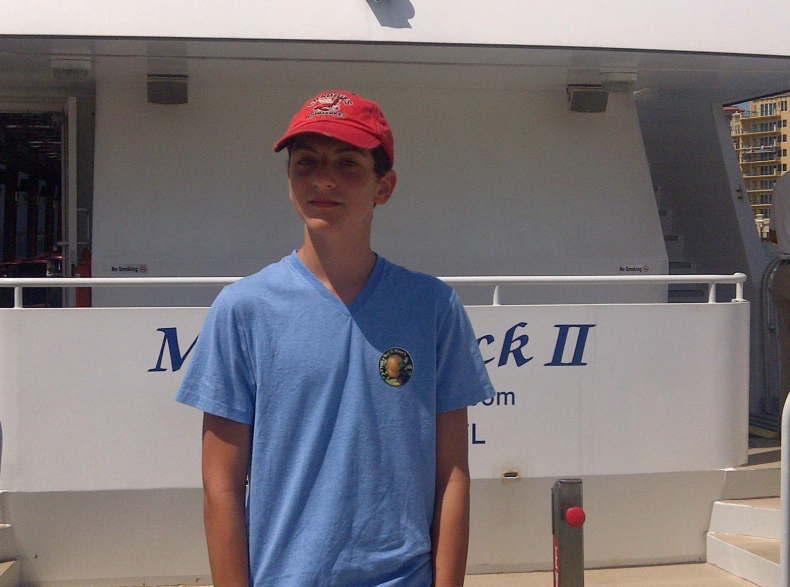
319, 225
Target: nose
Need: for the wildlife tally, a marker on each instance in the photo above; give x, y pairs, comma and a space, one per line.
323, 176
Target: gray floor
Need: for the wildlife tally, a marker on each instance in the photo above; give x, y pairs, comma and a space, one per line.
691, 575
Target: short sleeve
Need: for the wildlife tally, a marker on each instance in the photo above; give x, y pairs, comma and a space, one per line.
461, 376
220, 379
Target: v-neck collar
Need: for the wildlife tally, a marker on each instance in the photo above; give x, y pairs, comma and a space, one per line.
298, 265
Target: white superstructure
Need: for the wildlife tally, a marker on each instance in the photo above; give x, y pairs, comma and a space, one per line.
497, 176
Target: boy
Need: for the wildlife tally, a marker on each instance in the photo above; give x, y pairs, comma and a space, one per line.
335, 384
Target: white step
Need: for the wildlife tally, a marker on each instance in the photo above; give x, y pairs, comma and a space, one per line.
9, 574
756, 480
747, 517
749, 557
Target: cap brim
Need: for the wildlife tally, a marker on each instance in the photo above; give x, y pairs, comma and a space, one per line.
340, 131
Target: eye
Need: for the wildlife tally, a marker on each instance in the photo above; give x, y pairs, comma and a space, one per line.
304, 162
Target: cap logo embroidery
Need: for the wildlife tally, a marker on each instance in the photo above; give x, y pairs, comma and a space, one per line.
395, 367
329, 105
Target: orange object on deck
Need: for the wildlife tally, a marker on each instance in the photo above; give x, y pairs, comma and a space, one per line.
83, 297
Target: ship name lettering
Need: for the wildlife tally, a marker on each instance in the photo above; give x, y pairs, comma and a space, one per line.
514, 346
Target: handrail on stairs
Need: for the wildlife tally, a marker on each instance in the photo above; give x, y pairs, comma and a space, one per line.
769, 342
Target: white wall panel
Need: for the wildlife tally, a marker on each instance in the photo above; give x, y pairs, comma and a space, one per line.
611, 389
92, 435
656, 388
155, 537
492, 180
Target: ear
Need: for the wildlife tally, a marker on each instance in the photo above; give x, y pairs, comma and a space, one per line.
386, 187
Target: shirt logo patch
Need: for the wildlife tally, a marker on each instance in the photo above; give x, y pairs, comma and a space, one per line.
395, 367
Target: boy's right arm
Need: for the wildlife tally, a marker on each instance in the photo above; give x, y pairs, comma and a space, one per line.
226, 459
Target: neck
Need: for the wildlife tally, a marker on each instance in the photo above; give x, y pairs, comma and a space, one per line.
343, 266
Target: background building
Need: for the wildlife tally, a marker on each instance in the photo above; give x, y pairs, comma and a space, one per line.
759, 135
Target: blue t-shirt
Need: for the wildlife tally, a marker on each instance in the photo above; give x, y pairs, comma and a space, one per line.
343, 402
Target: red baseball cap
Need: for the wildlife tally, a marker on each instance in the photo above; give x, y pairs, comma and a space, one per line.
343, 116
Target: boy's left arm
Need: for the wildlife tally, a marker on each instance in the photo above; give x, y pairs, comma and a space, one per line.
450, 531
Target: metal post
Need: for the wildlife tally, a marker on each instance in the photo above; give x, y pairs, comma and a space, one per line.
567, 518
739, 289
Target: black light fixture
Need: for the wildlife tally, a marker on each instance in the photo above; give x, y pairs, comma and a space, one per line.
71, 68
587, 98
168, 89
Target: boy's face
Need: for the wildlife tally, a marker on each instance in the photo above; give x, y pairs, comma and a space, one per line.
333, 185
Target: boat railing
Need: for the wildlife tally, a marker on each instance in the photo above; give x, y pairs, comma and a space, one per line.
738, 279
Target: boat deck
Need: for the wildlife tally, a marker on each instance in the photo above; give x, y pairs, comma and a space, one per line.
763, 453
687, 575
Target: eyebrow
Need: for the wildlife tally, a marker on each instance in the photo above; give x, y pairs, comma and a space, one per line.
345, 149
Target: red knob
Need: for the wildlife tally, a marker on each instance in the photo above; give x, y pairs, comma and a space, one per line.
575, 517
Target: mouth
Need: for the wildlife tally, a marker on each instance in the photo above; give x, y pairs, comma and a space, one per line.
323, 203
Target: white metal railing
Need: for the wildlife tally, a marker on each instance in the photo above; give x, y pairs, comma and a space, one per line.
19, 283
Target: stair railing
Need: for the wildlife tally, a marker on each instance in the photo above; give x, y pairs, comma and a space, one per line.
770, 329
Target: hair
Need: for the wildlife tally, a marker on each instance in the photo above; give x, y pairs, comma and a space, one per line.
381, 161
